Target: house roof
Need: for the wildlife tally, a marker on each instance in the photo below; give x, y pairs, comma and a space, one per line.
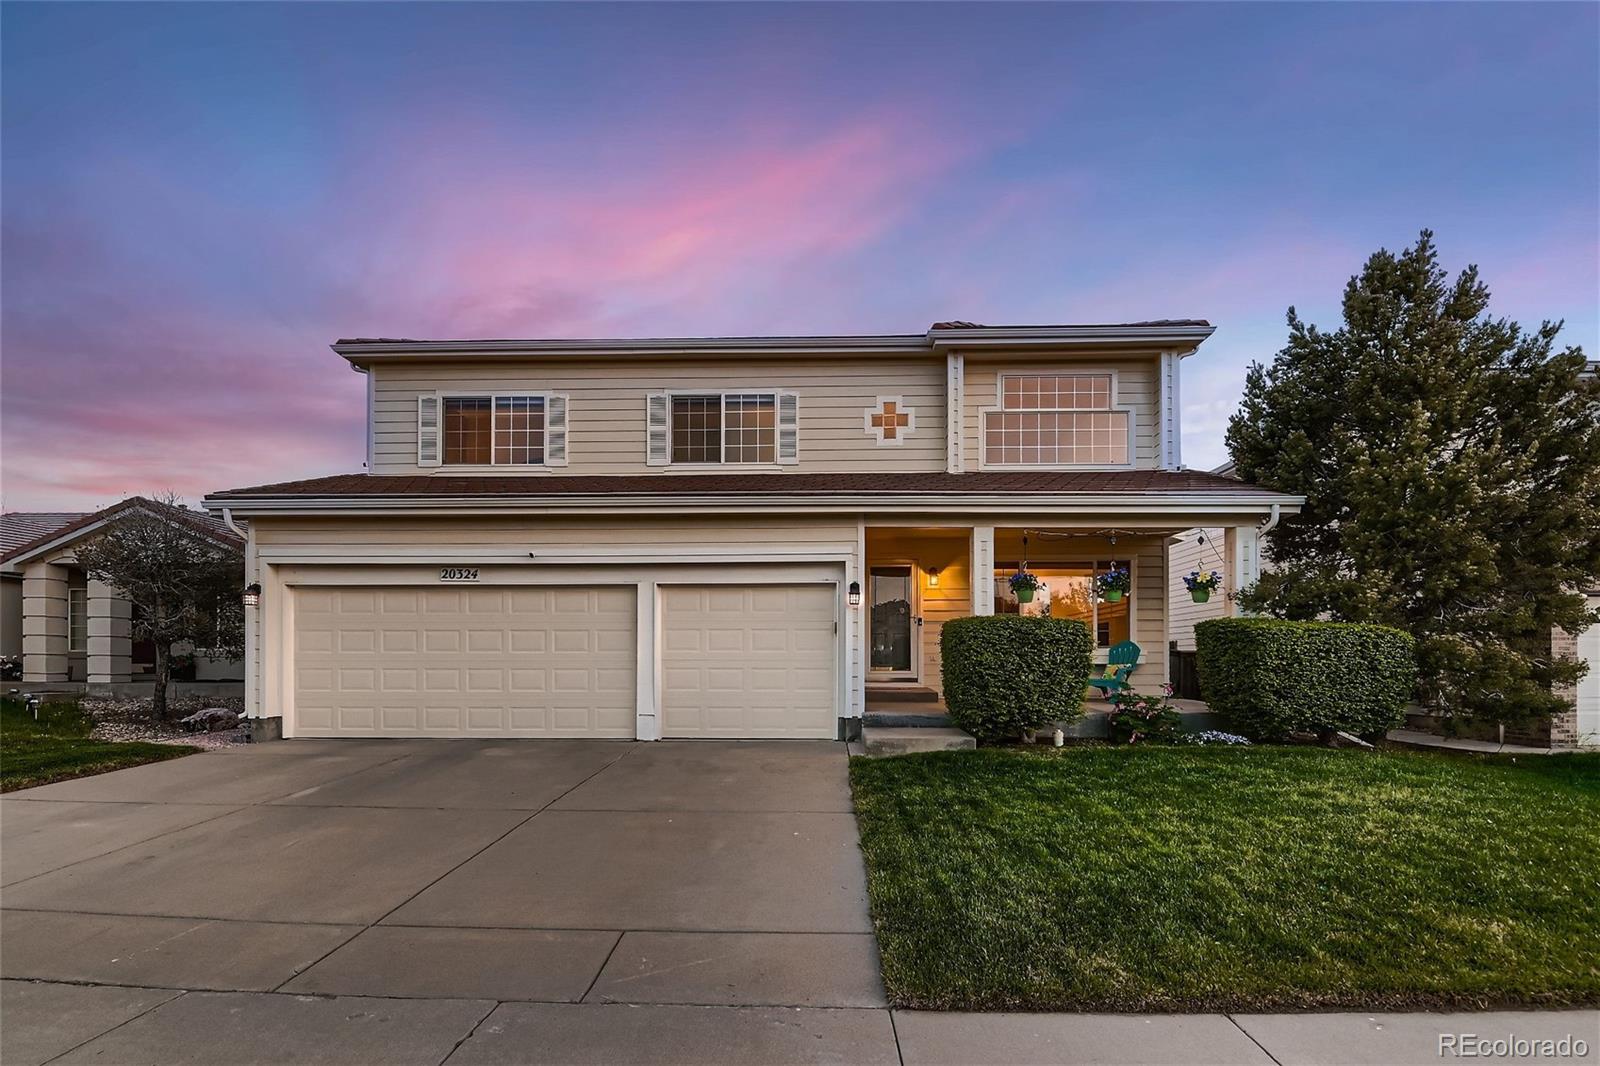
667, 486
20, 527
204, 524
1175, 334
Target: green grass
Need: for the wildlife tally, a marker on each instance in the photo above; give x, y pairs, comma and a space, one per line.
58, 747
1193, 879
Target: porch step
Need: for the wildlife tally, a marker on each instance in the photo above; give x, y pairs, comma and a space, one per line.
910, 716
891, 692
878, 740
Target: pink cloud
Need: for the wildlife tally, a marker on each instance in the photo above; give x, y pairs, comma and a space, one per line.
119, 382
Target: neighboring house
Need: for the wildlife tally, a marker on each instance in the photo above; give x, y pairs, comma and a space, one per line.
17, 529
729, 537
76, 630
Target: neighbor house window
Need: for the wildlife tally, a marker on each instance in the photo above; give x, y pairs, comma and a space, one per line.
1055, 420
77, 618
494, 430
726, 428
1066, 590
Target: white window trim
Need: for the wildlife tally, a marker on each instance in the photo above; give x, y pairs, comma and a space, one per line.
1082, 371
877, 433
722, 399
491, 466
78, 603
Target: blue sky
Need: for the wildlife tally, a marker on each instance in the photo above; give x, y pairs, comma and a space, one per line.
197, 198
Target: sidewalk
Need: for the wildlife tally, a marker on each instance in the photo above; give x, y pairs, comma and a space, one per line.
65, 1023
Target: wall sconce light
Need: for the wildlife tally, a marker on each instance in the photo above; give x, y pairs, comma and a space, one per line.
855, 594
933, 579
252, 595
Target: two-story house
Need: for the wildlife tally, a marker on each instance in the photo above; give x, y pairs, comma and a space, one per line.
727, 537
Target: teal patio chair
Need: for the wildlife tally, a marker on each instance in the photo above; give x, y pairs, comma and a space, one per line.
1120, 662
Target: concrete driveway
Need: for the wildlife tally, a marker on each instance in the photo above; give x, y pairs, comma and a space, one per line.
410, 901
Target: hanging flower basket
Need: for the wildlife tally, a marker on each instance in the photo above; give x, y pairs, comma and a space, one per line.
1024, 585
1113, 584
1201, 583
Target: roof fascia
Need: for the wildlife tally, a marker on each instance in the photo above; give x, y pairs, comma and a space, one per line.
1148, 502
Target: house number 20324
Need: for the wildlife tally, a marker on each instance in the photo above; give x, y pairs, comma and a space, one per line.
458, 573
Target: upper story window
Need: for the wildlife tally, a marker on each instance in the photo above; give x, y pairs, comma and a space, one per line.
1049, 419
494, 430
723, 428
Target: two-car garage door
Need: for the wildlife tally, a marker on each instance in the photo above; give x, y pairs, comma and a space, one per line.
561, 661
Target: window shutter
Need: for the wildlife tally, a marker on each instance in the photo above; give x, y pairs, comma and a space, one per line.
555, 430
428, 430
658, 436
788, 428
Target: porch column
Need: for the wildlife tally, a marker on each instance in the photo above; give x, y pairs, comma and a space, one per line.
44, 623
1242, 549
110, 658
982, 570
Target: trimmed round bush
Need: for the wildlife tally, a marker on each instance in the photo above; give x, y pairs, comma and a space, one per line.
1005, 673
1269, 677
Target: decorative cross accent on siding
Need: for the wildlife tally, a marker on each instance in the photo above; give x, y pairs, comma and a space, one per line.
890, 421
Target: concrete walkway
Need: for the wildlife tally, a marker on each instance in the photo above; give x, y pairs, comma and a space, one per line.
509, 902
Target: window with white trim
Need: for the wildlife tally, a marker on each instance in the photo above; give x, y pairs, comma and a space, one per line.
1052, 419
735, 427
77, 618
495, 430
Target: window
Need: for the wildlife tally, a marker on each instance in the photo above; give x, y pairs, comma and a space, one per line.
726, 428
519, 430
77, 618
1067, 591
494, 430
1056, 420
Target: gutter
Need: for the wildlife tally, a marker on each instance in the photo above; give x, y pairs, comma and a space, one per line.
678, 503
227, 520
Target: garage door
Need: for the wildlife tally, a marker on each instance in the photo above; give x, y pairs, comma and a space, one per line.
1589, 684
512, 661
748, 661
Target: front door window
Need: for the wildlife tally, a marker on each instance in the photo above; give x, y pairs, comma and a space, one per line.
891, 619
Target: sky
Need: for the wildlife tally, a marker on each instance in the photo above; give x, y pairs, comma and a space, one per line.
196, 199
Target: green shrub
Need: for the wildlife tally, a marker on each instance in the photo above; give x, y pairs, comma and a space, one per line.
1005, 673
1269, 677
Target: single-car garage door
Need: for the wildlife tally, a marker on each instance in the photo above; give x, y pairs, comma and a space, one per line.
748, 661
508, 661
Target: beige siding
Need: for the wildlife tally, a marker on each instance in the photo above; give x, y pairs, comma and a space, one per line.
732, 534
1138, 381
1184, 556
606, 407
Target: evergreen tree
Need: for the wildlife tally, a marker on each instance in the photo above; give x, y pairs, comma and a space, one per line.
1450, 462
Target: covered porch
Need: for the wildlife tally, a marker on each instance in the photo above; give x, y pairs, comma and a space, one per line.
920, 576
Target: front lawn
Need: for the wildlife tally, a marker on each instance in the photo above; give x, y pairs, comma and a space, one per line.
58, 746
1189, 879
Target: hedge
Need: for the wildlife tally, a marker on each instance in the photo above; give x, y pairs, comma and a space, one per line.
1005, 673
1269, 677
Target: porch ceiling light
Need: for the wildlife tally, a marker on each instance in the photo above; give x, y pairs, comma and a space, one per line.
855, 594
251, 596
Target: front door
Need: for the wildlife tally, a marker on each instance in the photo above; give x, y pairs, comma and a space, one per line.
894, 623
